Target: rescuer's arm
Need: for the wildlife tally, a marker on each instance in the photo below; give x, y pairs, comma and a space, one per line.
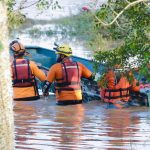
50, 78
92, 77
86, 73
37, 72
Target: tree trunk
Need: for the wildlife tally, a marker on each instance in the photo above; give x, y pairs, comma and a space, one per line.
6, 107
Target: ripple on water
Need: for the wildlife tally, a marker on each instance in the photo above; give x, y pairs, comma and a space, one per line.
41, 125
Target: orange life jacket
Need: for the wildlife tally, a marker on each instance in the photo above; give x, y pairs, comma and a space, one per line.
22, 75
71, 77
119, 92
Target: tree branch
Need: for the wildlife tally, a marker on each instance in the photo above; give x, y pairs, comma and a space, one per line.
127, 1
147, 5
119, 25
24, 7
113, 10
120, 13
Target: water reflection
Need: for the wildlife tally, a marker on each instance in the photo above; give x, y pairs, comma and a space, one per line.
43, 24
121, 129
41, 125
69, 121
47, 41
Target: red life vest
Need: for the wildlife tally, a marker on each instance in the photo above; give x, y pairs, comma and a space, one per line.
22, 75
71, 77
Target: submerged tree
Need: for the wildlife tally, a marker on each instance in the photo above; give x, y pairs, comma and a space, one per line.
126, 21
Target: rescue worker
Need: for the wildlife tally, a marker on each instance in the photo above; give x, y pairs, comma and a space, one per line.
118, 87
66, 74
24, 73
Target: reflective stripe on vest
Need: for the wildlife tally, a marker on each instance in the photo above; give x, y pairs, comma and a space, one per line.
70, 67
22, 76
71, 77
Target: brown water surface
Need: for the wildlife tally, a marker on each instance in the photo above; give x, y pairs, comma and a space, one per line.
42, 125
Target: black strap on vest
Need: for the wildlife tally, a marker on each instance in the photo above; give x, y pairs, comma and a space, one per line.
31, 80
60, 79
68, 89
35, 87
78, 71
29, 70
117, 90
65, 71
22, 80
16, 81
61, 86
15, 69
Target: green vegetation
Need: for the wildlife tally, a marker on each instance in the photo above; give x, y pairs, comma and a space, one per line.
45, 4
80, 26
83, 26
132, 27
118, 32
16, 18
37, 32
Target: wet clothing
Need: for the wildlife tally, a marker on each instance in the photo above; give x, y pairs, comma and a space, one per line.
24, 82
67, 76
117, 90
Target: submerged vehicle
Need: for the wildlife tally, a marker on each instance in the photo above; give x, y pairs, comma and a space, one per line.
45, 58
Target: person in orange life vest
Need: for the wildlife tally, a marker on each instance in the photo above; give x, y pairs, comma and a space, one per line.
117, 86
23, 74
67, 76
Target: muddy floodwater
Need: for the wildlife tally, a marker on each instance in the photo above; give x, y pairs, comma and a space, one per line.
42, 125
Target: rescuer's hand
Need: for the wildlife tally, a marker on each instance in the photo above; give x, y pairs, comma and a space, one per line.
45, 88
92, 77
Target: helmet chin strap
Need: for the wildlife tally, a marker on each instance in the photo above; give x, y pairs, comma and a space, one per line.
60, 58
19, 54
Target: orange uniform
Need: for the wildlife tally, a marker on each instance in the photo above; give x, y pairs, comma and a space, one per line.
73, 90
117, 90
28, 91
